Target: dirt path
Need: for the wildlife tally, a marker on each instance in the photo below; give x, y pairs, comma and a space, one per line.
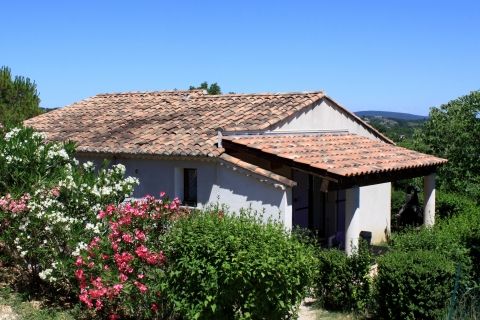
7, 313
307, 310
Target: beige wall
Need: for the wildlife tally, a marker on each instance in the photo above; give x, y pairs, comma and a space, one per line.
326, 116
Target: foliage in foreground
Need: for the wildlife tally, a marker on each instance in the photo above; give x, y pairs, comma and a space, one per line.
120, 272
416, 278
235, 267
48, 204
343, 281
414, 284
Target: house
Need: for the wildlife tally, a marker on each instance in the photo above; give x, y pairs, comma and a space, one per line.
298, 157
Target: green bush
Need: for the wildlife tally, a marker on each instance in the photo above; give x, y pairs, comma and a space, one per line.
472, 242
235, 267
397, 202
451, 204
438, 240
413, 285
343, 282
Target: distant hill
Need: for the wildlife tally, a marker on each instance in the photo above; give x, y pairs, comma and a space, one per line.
391, 115
45, 110
397, 126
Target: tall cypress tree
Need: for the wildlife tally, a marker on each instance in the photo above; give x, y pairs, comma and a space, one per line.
19, 98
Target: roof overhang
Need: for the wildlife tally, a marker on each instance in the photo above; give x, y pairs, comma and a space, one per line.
341, 159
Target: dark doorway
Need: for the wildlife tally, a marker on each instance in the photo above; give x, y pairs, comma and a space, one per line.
301, 199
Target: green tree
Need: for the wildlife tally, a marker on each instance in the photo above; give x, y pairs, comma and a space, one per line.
19, 98
453, 132
213, 89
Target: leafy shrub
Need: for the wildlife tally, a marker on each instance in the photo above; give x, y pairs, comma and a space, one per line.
343, 282
413, 285
472, 241
51, 202
120, 272
397, 202
451, 204
225, 267
447, 243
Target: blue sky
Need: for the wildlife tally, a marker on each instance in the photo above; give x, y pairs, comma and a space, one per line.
401, 56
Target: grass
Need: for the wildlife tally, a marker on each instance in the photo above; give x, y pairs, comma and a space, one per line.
321, 314
311, 310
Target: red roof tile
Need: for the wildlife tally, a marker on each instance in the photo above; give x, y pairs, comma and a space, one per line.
166, 122
342, 154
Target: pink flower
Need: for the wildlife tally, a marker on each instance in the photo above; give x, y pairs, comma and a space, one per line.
143, 288
123, 277
140, 276
127, 238
101, 214
162, 194
139, 235
98, 305
55, 192
117, 288
79, 274
97, 283
79, 261
97, 293
85, 299
154, 307
113, 316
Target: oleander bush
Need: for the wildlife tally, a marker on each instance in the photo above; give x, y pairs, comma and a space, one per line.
221, 266
413, 284
120, 272
343, 282
49, 203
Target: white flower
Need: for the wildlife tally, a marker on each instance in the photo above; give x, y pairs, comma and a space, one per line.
12, 133
88, 165
40, 135
45, 273
23, 253
120, 168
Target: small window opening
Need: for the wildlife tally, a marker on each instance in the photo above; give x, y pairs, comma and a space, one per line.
190, 187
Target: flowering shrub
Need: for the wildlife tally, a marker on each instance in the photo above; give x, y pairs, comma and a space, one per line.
50, 202
119, 273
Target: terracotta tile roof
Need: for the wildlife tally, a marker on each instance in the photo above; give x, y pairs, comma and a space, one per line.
342, 154
166, 122
257, 170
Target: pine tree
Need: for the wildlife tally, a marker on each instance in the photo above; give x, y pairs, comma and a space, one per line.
19, 98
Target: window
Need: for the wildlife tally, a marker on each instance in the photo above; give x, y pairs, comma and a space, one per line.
190, 187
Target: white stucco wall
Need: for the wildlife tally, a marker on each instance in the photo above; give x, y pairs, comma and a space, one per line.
239, 191
367, 209
215, 184
163, 175
375, 210
325, 116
